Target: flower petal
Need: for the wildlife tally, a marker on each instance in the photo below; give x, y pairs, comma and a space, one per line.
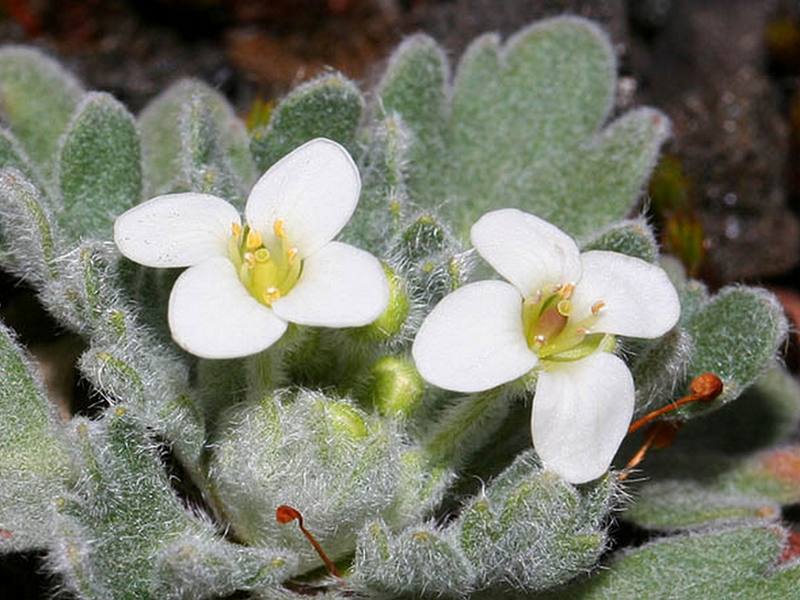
212, 315
639, 299
473, 339
314, 190
175, 230
526, 250
340, 286
581, 413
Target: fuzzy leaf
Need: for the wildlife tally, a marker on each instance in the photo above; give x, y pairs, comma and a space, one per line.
530, 530
124, 533
266, 453
692, 293
524, 127
421, 561
736, 336
35, 463
329, 106
37, 98
414, 87
192, 141
100, 171
27, 234
730, 563
13, 155
633, 237
659, 367
384, 203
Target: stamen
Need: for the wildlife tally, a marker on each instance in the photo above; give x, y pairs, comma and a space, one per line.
564, 307
279, 229
250, 259
291, 254
566, 290
286, 514
262, 255
539, 340
597, 307
253, 239
535, 299
271, 295
236, 229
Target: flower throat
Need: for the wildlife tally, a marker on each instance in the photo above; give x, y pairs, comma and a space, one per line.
270, 268
550, 330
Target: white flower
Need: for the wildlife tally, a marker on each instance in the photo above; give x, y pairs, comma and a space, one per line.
246, 282
553, 316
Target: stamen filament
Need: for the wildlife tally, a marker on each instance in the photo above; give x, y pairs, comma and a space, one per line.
660, 435
286, 514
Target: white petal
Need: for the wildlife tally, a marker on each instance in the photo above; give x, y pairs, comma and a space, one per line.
581, 413
340, 286
640, 300
473, 339
212, 315
314, 190
175, 230
526, 250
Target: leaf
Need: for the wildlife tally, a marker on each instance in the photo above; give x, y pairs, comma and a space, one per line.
325, 457
736, 336
728, 563
35, 460
329, 106
37, 98
414, 86
632, 237
124, 533
100, 171
27, 232
522, 123
191, 129
421, 561
529, 530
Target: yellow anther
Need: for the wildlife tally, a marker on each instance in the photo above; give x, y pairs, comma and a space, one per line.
262, 255
291, 254
597, 307
279, 229
236, 229
539, 340
253, 239
271, 295
564, 307
249, 259
566, 290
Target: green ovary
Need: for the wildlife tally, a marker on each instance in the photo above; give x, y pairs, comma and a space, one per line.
553, 333
270, 268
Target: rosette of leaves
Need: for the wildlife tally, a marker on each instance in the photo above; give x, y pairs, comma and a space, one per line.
171, 490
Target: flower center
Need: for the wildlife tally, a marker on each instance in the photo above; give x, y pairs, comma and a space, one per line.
552, 331
269, 268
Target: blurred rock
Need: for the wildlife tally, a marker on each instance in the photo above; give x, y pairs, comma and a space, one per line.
706, 69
